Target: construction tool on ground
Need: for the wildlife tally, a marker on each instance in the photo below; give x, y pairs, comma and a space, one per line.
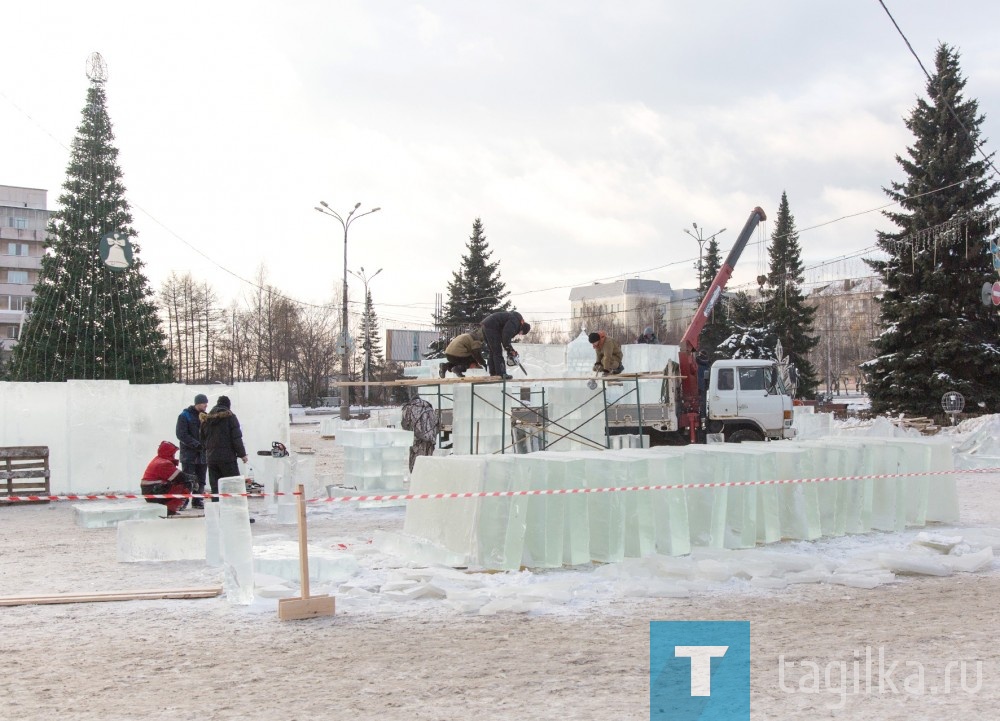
305, 606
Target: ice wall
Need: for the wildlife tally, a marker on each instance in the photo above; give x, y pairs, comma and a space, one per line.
551, 530
375, 459
102, 434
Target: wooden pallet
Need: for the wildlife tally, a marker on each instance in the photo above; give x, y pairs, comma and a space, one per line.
24, 471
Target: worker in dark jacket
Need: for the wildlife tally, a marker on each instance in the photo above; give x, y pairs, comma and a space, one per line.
609, 354
193, 461
223, 440
162, 476
648, 336
499, 329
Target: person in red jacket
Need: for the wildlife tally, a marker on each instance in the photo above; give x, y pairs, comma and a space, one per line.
163, 476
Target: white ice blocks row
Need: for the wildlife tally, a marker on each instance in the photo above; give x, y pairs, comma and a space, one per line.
547, 531
375, 458
165, 539
111, 429
106, 514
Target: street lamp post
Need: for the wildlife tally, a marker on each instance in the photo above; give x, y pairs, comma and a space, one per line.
701, 243
368, 341
345, 370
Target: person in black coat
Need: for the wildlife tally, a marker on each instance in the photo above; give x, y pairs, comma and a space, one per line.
500, 329
193, 461
223, 440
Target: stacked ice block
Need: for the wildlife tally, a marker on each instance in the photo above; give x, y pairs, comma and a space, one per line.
575, 419
545, 531
375, 458
481, 418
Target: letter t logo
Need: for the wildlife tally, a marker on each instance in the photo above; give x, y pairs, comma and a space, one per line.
701, 665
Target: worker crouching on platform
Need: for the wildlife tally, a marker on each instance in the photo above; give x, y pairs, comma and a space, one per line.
162, 476
609, 354
464, 352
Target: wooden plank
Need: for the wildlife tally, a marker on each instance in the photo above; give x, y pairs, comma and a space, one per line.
181, 593
513, 382
295, 609
24, 451
34, 473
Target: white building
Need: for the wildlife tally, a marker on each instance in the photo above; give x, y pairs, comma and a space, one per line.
635, 303
23, 218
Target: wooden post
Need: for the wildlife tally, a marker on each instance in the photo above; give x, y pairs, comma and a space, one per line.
305, 606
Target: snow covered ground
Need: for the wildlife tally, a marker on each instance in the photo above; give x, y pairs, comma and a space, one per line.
440, 643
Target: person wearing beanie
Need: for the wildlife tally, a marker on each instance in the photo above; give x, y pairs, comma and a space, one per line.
609, 354
223, 440
194, 465
499, 330
648, 336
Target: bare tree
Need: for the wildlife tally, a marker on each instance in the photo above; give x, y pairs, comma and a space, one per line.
598, 316
194, 323
315, 358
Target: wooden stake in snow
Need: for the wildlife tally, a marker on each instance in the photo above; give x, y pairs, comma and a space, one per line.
293, 609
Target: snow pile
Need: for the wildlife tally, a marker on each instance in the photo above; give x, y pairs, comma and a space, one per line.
880, 427
369, 577
977, 442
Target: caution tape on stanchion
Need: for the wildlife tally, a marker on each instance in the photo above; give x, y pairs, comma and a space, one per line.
503, 494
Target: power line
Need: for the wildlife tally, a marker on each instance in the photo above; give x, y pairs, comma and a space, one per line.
978, 146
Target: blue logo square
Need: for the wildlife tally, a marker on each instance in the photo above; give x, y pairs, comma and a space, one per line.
699, 670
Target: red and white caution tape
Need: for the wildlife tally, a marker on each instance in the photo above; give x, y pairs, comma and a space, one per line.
510, 494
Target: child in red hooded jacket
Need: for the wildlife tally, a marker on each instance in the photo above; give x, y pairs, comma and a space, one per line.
163, 476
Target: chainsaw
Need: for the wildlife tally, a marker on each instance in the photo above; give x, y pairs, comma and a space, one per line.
512, 360
278, 450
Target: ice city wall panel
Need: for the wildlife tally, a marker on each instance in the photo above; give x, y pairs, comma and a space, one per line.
102, 434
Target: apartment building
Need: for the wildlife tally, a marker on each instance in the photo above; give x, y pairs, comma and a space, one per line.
634, 303
23, 219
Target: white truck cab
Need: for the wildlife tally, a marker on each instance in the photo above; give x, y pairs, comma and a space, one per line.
746, 400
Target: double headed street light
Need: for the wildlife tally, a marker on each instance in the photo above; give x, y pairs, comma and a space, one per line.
367, 321
345, 371
702, 285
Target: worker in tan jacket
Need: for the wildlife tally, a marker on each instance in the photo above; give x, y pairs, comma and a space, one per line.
609, 354
462, 353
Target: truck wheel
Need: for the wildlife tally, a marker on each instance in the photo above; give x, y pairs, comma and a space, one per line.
744, 435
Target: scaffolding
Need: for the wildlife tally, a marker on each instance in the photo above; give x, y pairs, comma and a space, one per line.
527, 411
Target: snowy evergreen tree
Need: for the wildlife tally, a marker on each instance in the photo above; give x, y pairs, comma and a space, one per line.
938, 335
370, 335
717, 328
475, 290
752, 335
790, 319
92, 319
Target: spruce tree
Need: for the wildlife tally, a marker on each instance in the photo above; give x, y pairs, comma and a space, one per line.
752, 334
370, 334
475, 289
938, 335
717, 328
88, 321
790, 318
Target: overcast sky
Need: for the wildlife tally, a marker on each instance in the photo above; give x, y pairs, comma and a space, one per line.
586, 135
